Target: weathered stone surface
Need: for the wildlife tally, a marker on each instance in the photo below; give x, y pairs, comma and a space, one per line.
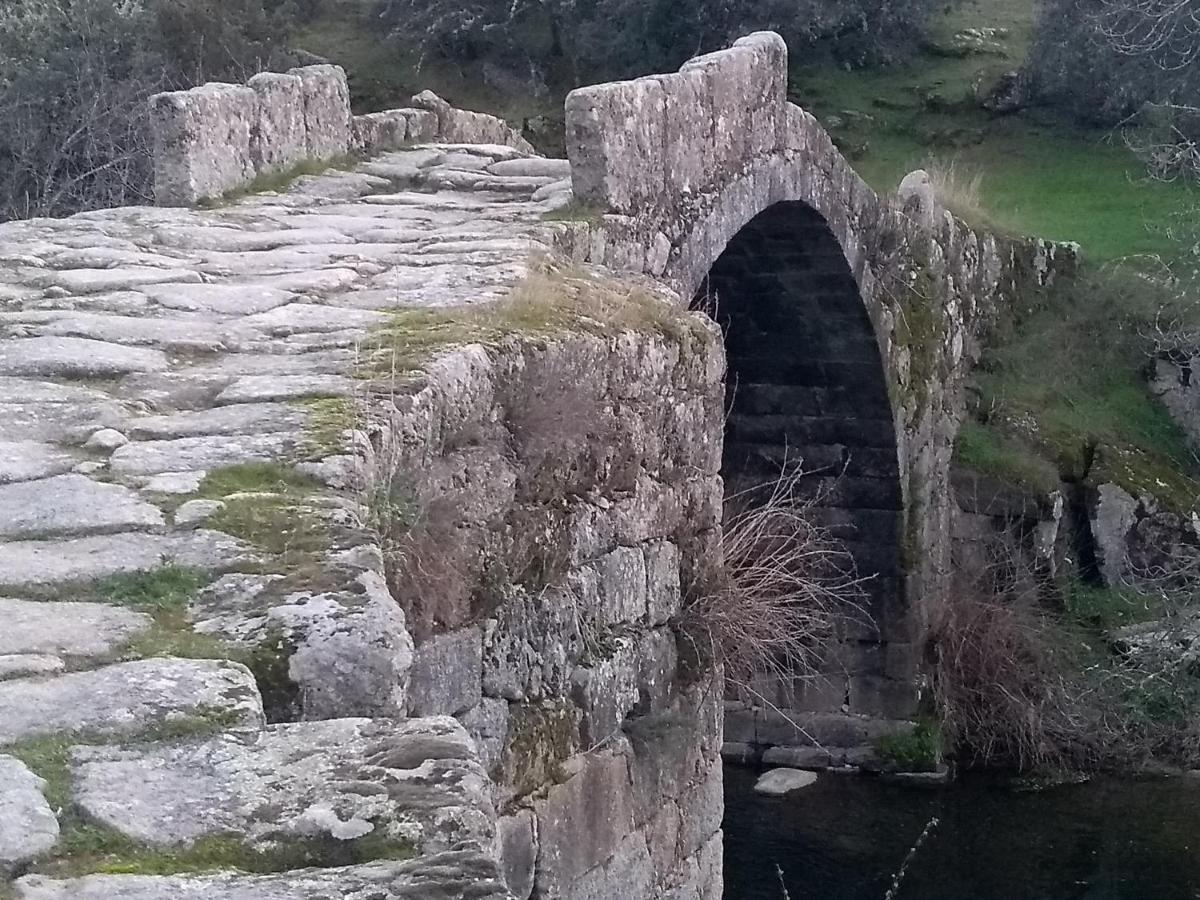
27, 460
779, 782
105, 440
451, 875
247, 418
1113, 514
68, 357
28, 826
530, 648
73, 629
278, 140
264, 388
225, 299
327, 118
196, 511
340, 779
446, 675
72, 504
487, 724
518, 852
355, 659
202, 142
597, 793
88, 558
127, 698
17, 664
205, 452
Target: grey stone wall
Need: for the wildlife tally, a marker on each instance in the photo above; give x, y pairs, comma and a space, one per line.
677, 167
218, 138
577, 483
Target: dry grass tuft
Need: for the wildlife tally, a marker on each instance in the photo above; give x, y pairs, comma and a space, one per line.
959, 191
777, 592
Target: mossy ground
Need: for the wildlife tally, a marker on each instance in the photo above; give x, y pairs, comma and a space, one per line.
86, 847
1062, 395
1037, 176
551, 300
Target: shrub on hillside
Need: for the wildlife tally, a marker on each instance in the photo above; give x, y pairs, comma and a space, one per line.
577, 41
75, 77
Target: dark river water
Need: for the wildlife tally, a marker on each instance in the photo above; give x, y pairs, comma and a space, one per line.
845, 837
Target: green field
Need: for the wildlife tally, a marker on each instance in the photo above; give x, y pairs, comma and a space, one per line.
1037, 177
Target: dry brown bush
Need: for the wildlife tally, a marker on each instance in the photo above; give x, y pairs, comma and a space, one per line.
776, 591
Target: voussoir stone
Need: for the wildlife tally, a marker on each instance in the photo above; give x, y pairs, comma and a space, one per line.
128, 698
70, 357
74, 629
28, 827
72, 504
343, 779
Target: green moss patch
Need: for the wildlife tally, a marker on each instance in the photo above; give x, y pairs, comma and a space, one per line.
917, 750
987, 452
329, 420
541, 737
277, 182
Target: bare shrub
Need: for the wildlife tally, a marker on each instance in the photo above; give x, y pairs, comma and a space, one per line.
429, 565
776, 591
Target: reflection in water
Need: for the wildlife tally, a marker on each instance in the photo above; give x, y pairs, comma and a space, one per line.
844, 837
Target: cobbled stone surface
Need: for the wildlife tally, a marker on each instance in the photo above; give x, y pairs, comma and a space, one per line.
145, 349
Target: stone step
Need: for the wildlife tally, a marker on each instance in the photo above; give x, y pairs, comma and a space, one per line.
72, 505
415, 784
129, 698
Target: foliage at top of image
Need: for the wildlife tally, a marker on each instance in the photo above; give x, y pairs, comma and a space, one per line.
76, 75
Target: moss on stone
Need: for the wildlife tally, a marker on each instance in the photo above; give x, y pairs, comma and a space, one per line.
987, 452
270, 661
916, 750
1142, 474
329, 420
167, 588
541, 738
577, 211
261, 477
920, 329
552, 300
277, 182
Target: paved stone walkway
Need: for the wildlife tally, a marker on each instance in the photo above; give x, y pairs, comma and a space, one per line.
177, 503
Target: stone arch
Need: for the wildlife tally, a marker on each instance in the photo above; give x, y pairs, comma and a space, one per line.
806, 382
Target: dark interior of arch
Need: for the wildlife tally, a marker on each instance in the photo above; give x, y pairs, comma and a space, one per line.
806, 382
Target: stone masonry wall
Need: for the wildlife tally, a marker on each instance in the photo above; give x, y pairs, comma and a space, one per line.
217, 138
574, 481
668, 169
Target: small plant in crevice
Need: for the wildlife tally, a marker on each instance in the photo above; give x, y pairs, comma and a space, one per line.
917, 750
776, 591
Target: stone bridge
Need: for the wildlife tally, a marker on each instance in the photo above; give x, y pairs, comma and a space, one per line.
345, 517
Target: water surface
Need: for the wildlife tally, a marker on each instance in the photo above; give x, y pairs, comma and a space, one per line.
844, 838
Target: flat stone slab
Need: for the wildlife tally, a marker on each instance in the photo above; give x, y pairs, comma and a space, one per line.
418, 781
299, 317
26, 460
28, 826
72, 504
72, 629
263, 388
18, 664
223, 299
85, 559
779, 782
208, 452
128, 698
445, 875
69, 357
240, 418
94, 281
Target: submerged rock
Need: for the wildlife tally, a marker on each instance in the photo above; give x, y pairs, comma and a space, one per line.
779, 782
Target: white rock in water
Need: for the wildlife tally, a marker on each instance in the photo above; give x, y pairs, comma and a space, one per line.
778, 782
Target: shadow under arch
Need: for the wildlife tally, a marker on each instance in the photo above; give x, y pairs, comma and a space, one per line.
807, 382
